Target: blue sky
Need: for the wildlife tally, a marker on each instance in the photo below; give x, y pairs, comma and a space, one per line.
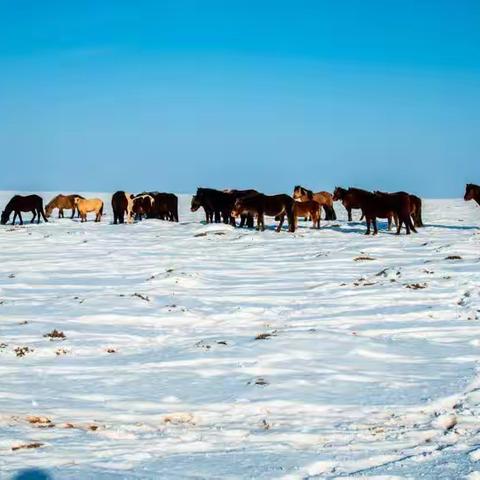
171, 95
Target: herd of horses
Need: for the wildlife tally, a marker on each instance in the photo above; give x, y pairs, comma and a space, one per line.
401, 208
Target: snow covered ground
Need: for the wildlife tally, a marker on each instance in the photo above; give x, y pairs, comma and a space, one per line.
202, 351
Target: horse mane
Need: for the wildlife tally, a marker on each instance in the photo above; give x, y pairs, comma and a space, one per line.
358, 190
54, 199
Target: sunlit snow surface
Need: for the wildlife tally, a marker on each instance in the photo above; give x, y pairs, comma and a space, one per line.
370, 368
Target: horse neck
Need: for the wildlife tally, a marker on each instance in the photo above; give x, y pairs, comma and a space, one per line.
476, 195
9, 207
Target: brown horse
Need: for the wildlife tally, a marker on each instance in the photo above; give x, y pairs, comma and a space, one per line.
85, 205
384, 205
349, 200
19, 203
260, 205
472, 192
415, 208
310, 209
325, 200
62, 202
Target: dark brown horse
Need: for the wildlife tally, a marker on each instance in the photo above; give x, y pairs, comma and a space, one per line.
349, 200
245, 219
122, 203
197, 203
19, 203
62, 202
165, 206
218, 204
472, 192
325, 200
384, 205
415, 208
260, 205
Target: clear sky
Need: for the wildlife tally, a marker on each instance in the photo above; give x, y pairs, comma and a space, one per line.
171, 95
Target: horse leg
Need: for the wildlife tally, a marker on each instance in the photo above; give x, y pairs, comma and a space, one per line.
280, 223
260, 222
349, 212
14, 217
73, 213
399, 227
20, 217
34, 215
389, 222
375, 228
368, 226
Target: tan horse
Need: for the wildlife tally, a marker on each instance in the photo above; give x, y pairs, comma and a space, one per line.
85, 205
62, 202
325, 200
308, 209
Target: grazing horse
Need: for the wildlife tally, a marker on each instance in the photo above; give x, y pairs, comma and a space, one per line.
85, 205
260, 205
19, 203
310, 208
62, 202
122, 203
415, 208
384, 205
349, 200
323, 198
472, 192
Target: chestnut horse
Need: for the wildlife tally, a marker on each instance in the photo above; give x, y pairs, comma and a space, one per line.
310, 209
19, 203
472, 192
260, 205
349, 200
85, 205
384, 205
325, 200
62, 202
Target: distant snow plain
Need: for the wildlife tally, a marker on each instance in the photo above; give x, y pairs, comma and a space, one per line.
202, 351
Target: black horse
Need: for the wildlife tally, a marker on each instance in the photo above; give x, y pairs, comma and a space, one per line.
19, 203
218, 205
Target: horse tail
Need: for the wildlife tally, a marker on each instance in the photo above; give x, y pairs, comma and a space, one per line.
175, 210
418, 214
41, 211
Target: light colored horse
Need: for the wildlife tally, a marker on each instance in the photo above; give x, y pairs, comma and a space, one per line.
86, 205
